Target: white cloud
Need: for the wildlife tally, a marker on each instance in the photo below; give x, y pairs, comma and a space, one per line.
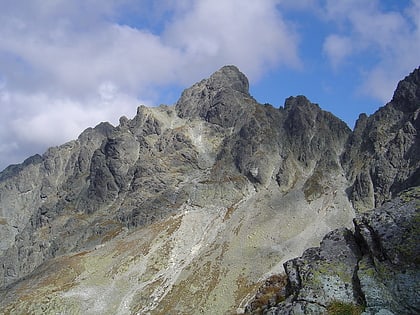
39, 119
391, 38
79, 62
66, 65
251, 34
337, 49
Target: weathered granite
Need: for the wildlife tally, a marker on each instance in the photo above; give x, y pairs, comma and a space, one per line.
382, 156
374, 270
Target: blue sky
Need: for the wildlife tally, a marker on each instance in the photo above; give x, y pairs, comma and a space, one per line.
67, 65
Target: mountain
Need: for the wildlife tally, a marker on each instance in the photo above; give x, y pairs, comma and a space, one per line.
186, 209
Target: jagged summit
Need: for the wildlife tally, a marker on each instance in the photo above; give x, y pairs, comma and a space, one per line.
184, 209
407, 95
296, 101
229, 77
222, 99
382, 157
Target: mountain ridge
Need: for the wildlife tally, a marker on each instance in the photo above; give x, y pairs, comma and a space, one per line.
215, 156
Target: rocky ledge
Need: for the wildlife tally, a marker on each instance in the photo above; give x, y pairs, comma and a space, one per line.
373, 270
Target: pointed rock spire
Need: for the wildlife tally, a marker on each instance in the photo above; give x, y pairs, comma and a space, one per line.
407, 95
221, 99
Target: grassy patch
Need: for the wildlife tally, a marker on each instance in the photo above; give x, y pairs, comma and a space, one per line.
314, 187
341, 308
271, 292
229, 212
40, 294
410, 194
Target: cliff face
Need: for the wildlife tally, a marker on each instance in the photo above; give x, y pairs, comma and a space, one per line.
383, 153
184, 208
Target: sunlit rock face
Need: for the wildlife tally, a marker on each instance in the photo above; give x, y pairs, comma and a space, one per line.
383, 154
185, 209
374, 270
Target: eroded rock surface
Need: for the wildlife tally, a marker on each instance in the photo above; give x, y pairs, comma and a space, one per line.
383, 154
374, 270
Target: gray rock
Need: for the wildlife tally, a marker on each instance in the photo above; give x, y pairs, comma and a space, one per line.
374, 269
222, 99
35, 194
297, 308
325, 274
382, 157
389, 271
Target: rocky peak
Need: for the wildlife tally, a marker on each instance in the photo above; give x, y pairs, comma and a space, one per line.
14, 169
306, 118
383, 154
222, 99
407, 95
297, 101
229, 77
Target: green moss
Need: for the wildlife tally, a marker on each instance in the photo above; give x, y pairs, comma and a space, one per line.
407, 249
370, 272
410, 194
341, 308
367, 268
323, 270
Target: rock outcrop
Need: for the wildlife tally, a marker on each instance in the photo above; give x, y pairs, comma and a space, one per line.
185, 208
383, 153
222, 99
374, 270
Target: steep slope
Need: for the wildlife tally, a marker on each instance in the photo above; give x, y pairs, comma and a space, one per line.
182, 209
383, 155
33, 194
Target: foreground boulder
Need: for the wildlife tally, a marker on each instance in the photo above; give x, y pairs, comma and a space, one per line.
373, 270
